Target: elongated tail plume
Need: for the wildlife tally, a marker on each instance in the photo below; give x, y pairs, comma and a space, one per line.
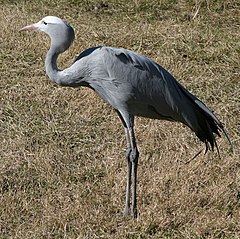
207, 123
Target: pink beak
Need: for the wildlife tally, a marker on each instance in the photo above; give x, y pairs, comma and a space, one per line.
29, 27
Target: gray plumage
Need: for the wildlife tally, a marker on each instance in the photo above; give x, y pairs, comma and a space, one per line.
133, 85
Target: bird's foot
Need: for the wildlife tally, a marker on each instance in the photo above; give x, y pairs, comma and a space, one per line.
127, 212
134, 213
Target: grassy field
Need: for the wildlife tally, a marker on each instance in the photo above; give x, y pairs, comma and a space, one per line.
62, 166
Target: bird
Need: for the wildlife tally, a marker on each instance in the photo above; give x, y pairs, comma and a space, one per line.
134, 85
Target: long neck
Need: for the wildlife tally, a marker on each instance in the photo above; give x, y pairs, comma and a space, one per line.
71, 77
51, 65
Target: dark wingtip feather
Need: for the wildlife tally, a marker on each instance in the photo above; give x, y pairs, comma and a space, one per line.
210, 140
208, 128
207, 123
226, 134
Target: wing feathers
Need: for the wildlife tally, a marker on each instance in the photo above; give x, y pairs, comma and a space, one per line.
198, 116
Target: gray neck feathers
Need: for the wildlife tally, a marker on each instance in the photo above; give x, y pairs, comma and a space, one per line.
59, 44
51, 64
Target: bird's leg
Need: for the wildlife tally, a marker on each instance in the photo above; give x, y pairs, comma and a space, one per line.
126, 211
132, 162
134, 189
134, 154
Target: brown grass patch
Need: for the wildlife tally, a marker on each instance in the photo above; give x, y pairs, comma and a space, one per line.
62, 167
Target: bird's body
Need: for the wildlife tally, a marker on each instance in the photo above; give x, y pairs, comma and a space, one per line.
119, 80
133, 85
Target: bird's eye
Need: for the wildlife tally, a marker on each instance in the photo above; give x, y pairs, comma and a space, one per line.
44, 23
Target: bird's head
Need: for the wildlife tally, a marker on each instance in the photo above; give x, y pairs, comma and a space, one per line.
61, 34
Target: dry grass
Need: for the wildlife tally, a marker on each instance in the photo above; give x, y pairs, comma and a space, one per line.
62, 167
